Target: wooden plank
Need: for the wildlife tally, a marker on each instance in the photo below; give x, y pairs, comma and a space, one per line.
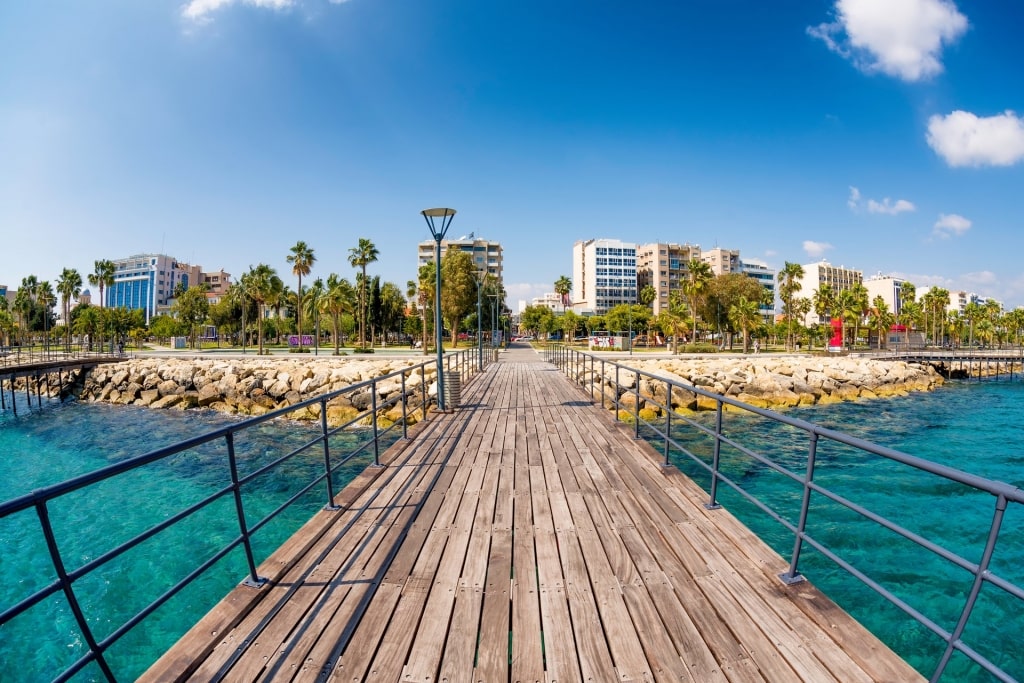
527, 658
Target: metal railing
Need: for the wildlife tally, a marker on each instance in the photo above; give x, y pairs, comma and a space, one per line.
598, 375
377, 435
19, 356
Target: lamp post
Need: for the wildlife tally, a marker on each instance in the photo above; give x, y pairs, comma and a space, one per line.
438, 229
494, 318
481, 277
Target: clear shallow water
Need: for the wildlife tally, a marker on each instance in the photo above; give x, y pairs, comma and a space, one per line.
41, 448
975, 427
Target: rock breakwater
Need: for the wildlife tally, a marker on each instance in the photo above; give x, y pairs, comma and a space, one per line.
763, 381
258, 386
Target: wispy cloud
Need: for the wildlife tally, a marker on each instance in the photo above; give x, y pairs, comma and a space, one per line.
886, 206
980, 278
816, 249
950, 225
901, 38
200, 11
963, 139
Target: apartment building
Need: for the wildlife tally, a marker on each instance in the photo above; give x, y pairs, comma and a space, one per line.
604, 274
663, 266
839, 278
486, 255
760, 271
889, 288
722, 261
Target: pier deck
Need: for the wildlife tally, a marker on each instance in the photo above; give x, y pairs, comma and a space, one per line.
526, 537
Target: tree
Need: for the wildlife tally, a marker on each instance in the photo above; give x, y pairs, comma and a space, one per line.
695, 287
46, 300
426, 297
563, 285
846, 308
339, 299
458, 296
568, 322
70, 287
724, 291
312, 303
746, 315
536, 319
302, 259
392, 308
361, 256
87, 321
263, 285
102, 276
880, 318
674, 319
192, 309
824, 303
860, 307
789, 285
24, 303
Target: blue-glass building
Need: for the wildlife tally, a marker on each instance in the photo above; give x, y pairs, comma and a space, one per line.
146, 282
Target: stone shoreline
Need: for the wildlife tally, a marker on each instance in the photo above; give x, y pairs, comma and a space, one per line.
256, 386
772, 382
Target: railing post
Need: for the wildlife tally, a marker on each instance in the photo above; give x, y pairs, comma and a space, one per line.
254, 580
423, 391
668, 418
69, 593
373, 420
716, 458
793, 574
405, 410
327, 457
616, 392
972, 598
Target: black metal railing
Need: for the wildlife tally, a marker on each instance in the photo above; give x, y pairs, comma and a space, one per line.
413, 400
603, 380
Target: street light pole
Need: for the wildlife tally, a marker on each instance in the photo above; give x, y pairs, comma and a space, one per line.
438, 233
481, 276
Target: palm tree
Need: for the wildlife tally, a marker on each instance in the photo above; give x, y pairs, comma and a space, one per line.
563, 285
746, 315
861, 306
302, 260
313, 304
70, 287
25, 302
46, 298
102, 276
908, 295
261, 287
360, 256
789, 284
337, 300
426, 296
824, 302
880, 318
700, 275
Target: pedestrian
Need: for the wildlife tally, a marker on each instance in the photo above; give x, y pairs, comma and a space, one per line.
757, 346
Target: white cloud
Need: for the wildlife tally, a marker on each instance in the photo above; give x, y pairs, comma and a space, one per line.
951, 224
816, 249
963, 139
200, 10
854, 201
982, 277
901, 38
886, 206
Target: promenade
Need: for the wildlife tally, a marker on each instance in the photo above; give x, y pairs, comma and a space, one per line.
526, 537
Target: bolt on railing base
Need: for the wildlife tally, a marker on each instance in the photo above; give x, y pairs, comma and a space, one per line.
709, 506
790, 579
257, 584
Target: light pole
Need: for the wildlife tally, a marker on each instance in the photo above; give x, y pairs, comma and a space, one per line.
494, 318
481, 277
438, 232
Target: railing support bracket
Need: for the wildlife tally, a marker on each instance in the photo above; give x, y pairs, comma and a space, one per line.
257, 584
790, 579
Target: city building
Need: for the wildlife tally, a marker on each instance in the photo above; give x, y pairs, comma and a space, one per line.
887, 287
664, 266
147, 282
604, 275
550, 300
722, 261
486, 254
839, 278
760, 271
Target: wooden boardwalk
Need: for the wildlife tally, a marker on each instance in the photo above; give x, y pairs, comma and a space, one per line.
526, 537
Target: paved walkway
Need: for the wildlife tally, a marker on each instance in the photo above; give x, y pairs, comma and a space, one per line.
526, 537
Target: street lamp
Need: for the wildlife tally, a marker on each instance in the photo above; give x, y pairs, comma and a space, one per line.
494, 318
481, 277
438, 232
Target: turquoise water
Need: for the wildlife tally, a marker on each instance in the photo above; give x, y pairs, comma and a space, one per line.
975, 427
42, 447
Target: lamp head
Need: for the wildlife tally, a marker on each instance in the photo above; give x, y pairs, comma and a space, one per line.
438, 228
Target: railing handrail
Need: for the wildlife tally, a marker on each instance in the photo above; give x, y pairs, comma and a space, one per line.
1003, 493
465, 361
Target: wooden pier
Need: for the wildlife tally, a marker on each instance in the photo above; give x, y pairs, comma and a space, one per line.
526, 537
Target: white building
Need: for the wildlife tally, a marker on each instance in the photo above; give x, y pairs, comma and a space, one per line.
603, 274
889, 288
760, 271
839, 278
550, 300
486, 255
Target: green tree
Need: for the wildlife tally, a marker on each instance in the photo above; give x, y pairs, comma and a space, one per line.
392, 309
7, 325
312, 303
824, 305
881, 319
339, 299
458, 294
102, 276
699, 276
745, 314
87, 321
789, 284
723, 292
46, 300
426, 298
563, 285
536, 319
302, 259
361, 256
192, 308
70, 287
908, 296
263, 285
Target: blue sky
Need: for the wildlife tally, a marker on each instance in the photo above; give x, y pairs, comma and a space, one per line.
883, 135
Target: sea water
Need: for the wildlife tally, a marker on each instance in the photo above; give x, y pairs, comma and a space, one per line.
41, 447
976, 427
